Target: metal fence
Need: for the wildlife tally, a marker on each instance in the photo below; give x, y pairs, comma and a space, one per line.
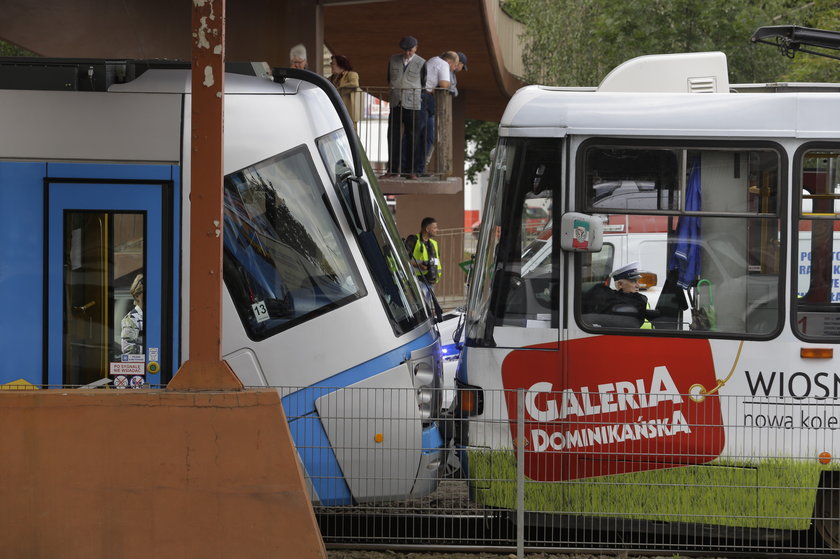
457, 247
541, 471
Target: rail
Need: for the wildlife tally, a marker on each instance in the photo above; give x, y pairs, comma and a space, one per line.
371, 112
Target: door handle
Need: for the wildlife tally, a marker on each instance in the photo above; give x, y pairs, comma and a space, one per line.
86, 307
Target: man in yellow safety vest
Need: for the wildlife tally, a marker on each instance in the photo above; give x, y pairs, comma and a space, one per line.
425, 256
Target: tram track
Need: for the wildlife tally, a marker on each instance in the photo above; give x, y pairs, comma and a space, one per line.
482, 531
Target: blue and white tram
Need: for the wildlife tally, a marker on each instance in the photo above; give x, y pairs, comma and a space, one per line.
94, 225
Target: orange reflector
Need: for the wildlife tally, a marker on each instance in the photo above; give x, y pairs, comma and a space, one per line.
378, 437
825, 457
816, 352
467, 401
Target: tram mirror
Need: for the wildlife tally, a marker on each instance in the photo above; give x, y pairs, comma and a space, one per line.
361, 203
581, 233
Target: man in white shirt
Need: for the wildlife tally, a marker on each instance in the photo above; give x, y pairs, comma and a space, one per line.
438, 76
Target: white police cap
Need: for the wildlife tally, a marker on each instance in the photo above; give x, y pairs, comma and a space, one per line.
628, 271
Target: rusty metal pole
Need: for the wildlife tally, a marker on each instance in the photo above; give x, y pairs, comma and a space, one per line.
205, 369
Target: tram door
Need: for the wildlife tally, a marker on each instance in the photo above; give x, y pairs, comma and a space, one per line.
106, 278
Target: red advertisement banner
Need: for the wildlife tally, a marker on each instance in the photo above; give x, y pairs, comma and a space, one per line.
614, 404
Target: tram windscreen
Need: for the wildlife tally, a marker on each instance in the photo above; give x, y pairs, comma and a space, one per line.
515, 278
285, 258
382, 250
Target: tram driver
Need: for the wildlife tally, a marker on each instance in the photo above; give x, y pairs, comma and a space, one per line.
623, 306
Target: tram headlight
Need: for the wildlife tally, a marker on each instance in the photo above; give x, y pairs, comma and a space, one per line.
424, 374
427, 389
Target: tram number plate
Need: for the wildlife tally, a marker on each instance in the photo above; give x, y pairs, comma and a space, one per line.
260, 311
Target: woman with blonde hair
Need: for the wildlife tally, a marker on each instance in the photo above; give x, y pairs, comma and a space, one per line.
132, 332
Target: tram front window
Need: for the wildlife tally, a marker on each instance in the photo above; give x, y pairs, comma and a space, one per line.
389, 269
285, 258
515, 277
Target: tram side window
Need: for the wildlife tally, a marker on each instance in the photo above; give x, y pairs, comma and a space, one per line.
817, 242
285, 258
703, 225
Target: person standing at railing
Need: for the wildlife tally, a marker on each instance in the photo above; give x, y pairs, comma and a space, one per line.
406, 76
453, 79
438, 72
346, 81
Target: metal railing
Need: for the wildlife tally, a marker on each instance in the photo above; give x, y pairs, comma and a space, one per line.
569, 470
372, 114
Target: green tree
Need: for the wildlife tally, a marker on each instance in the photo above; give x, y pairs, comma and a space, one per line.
481, 138
8, 49
577, 42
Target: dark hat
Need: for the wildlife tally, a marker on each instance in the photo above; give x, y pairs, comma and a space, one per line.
629, 271
463, 58
407, 43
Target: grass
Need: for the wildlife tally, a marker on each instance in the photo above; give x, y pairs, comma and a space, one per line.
775, 493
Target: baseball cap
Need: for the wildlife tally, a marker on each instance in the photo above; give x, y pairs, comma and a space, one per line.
463, 58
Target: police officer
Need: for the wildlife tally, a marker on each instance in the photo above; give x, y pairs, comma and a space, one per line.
625, 299
424, 252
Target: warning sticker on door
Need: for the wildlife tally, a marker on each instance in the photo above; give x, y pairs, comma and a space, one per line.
131, 357
120, 381
127, 368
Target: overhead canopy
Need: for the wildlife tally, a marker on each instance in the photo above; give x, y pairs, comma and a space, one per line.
366, 32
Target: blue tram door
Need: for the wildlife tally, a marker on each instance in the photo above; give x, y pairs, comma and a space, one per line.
109, 288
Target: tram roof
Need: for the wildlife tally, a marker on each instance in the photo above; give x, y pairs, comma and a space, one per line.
676, 95
552, 112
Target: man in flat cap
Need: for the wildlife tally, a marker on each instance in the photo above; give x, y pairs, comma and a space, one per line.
624, 301
406, 128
